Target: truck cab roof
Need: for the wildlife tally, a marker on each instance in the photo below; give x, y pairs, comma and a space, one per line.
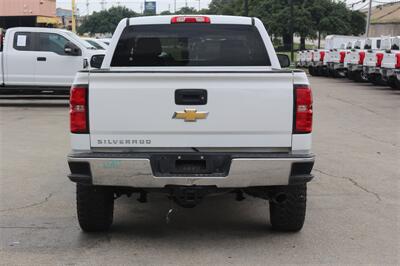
213, 19
36, 29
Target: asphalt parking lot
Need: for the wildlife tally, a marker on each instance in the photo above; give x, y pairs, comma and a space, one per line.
353, 213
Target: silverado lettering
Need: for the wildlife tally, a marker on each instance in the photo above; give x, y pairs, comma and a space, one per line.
123, 141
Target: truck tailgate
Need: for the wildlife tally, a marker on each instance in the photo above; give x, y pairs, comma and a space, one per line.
135, 109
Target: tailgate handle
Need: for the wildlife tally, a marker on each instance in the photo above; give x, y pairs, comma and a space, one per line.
190, 97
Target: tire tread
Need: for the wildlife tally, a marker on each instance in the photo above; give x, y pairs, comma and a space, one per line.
95, 207
289, 215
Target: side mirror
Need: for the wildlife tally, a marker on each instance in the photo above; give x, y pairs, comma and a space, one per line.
72, 49
96, 60
284, 60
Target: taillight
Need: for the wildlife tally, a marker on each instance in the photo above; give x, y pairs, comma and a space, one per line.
190, 19
379, 58
303, 111
342, 56
361, 57
321, 55
78, 110
397, 61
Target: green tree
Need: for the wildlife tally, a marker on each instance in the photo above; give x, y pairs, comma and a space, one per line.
223, 7
166, 12
312, 18
105, 21
358, 22
186, 11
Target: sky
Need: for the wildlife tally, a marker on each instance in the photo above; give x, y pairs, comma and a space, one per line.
162, 5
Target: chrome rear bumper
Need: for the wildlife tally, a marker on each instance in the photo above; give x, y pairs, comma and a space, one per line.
354, 67
338, 66
388, 72
371, 70
244, 171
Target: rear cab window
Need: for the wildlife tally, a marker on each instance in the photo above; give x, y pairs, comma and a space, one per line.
368, 44
396, 44
190, 45
23, 41
378, 44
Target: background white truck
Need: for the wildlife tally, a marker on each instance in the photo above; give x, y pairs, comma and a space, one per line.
390, 67
373, 61
42, 59
190, 106
336, 65
355, 59
97, 43
323, 57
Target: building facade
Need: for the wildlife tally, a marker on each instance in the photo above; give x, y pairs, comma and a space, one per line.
28, 13
385, 20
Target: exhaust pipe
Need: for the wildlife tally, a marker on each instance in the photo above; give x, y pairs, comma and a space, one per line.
279, 198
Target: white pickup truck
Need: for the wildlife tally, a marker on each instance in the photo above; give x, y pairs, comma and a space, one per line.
337, 65
373, 62
390, 68
38, 59
322, 64
190, 106
355, 59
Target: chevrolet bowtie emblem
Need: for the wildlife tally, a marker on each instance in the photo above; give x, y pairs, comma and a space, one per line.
190, 115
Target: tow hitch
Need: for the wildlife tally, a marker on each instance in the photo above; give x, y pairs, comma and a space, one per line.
189, 197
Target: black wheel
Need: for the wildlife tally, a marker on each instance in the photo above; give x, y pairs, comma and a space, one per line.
95, 206
331, 73
373, 79
338, 74
350, 75
358, 76
393, 83
318, 71
311, 70
397, 83
378, 80
324, 72
287, 207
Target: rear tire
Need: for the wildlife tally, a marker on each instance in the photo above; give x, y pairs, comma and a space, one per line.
287, 207
311, 70
358, 76
95, 206
393, 83
372, 78
397, 83
338, 74
331, 73
350, 75
377, 80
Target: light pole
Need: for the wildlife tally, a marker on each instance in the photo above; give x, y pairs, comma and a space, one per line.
368, 19
291, 30
73, 17
87, 7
